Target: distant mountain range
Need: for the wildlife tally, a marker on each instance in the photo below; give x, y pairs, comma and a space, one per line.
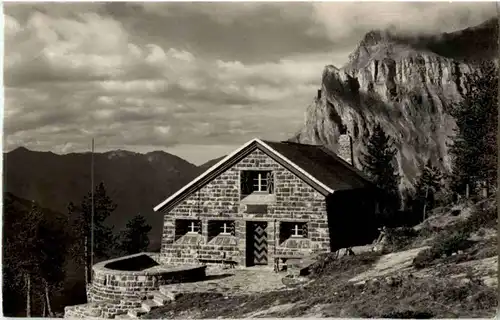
136, 182
210, 163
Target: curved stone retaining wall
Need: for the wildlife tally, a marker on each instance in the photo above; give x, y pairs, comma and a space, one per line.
116, 291
98, 310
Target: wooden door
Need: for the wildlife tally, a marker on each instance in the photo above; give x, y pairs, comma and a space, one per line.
259, 243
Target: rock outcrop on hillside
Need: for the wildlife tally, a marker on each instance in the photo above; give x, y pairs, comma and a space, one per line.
407, 84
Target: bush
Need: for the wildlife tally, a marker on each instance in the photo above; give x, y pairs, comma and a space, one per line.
444, 197
427, 230
328, 263
484, 300
408, 314
399, 238
488, 250
479, 218
424, 259
483, 217
445, 244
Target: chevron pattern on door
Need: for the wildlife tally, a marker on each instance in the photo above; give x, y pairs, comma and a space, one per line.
260, 243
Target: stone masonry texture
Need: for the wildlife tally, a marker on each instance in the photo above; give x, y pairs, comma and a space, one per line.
294, 200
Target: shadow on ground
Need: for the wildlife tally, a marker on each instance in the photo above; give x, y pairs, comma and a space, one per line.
217, 276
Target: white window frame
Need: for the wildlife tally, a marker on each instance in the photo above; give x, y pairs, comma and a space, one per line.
295, 230
261, 177
225, 228
191, 228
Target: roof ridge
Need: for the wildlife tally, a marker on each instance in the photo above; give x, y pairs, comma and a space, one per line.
306, 144
296, 143
332, 154
346, 164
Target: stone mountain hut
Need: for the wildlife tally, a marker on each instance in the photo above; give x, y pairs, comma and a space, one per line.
265, 201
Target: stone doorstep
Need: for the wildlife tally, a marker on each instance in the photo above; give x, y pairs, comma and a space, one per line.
149, 305
160, 298
169, 293
124, 316
136, 312
299, 267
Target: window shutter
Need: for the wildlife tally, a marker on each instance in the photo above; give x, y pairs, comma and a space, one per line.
270, 182
232, 228
246, 183
285, 231
212, 229
304, 230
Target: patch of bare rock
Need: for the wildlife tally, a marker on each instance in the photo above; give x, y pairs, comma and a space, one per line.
389, 263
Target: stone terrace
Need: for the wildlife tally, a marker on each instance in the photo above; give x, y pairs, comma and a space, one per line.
232, 281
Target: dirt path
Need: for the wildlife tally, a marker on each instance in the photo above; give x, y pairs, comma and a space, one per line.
389, 263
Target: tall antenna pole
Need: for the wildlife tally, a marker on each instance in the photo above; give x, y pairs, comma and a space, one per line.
92, 216
498, 123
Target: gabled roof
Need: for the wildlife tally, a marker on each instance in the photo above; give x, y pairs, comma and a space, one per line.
326, 171
322, 164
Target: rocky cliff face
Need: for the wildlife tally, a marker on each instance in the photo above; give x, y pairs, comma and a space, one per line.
403, 83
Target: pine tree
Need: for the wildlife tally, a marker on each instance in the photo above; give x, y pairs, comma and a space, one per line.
134, 238
53, 248
104, 241
378, 163
474, 148
28, 234
34, 254
428, 185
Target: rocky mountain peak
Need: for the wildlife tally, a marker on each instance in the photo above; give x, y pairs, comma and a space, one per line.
375, 37
405, 83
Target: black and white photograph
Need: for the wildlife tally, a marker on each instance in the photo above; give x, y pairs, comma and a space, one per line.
248, 159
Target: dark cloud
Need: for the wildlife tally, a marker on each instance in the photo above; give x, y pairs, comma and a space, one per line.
248, 32
343, 20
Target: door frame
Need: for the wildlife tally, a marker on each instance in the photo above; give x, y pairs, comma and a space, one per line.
249, 243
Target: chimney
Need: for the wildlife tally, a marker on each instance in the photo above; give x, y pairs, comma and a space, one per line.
319, 94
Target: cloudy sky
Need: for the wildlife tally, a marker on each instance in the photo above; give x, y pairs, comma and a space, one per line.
193, 79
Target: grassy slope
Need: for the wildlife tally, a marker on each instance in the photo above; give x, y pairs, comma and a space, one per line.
399, 296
